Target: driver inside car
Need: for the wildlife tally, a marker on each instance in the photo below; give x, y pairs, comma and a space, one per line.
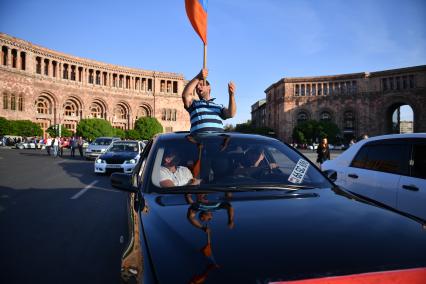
254, 163
171, 174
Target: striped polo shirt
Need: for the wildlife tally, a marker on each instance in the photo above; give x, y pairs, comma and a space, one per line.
205, 116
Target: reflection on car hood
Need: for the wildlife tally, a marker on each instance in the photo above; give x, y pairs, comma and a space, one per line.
314, 233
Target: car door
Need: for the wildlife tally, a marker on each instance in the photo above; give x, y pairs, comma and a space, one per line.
357, 177
377, 176
412, 188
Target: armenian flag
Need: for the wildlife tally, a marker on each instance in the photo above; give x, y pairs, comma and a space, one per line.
197, 14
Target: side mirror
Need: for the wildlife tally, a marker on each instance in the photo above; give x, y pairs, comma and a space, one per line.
331, 174
123, 181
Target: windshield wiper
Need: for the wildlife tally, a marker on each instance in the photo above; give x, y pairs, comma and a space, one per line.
288, 187
206, 189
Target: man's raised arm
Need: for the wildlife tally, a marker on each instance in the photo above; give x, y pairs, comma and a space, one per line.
189, 88
232, 107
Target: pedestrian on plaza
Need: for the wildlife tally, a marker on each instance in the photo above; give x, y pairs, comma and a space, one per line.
205, 114
55, 144
48, 145
61, 146
73, 145
323, 152
80, 145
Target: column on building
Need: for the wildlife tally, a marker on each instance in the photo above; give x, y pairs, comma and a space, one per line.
9, 57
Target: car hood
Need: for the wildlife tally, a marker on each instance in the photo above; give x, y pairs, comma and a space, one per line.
276, 236
120, 155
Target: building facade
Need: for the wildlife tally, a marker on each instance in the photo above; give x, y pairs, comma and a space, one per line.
49, 87
359, 103
258, 113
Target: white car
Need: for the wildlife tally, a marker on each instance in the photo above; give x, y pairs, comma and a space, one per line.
390, 169
120, 156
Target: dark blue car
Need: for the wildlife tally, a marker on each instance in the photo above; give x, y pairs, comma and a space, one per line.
238, 208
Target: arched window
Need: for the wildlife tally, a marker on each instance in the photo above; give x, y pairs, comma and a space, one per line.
302, 117
70, 108
142, 112
5, 101
43, 106
325, 116
120, 112
349, 120
96, 110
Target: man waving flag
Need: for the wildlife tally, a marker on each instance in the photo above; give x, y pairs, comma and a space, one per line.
197, 14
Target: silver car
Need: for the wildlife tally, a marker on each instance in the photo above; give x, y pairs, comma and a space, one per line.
99, 146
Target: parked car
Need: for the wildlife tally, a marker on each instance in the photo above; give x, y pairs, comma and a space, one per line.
99, 146
313, 147
120, 156
390, 169
235, 222
32, 144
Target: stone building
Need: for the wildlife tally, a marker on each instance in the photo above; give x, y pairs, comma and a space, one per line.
49, 87
359, 103
258, 113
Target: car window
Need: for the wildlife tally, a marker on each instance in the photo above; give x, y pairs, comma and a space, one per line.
361, 158
389, 158
102, 141
123, 147
418, 168
223, 161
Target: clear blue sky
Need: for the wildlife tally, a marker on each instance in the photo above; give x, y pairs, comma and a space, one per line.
252, 42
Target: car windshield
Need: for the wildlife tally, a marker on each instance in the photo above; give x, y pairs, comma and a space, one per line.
123, 147
102, 141
237, 163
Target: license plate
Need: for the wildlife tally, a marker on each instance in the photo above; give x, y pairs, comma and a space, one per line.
114, 166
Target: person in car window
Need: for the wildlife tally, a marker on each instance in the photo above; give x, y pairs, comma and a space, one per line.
171, 174
205, 114
323, 152
255, 163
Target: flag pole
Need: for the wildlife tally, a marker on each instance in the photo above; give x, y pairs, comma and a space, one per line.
205, 60
205, 57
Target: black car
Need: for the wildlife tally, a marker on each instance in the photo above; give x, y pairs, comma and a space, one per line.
251, 209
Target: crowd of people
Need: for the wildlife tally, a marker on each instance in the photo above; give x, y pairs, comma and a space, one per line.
55, 146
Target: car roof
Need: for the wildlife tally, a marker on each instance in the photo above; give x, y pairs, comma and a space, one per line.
397, 136
126, 141
183, 134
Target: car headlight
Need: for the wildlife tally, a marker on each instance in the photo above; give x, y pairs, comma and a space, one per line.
132, 161
103, 150
100, 161
88, 150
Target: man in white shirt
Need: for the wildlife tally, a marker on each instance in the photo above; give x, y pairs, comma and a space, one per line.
173, 175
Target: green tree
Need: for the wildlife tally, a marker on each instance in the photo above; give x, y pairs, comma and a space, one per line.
119, 133
25, 128
133, 135
4, 126
53, 131
248, 127
92, 128
147, 127
312, 131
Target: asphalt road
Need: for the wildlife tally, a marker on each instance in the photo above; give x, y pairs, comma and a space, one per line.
59, 222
